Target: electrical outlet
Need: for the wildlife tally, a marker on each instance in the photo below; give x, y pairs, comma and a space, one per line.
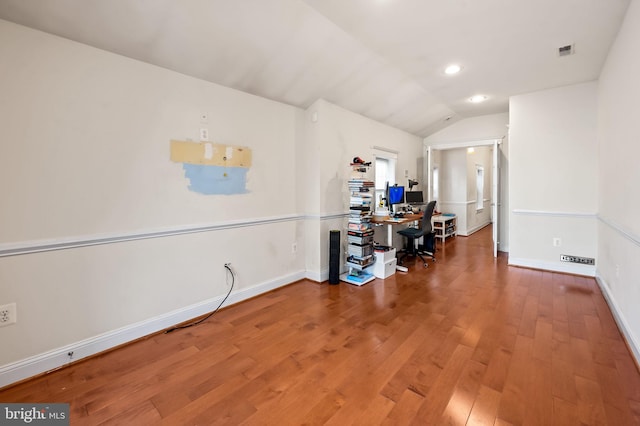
204, 134
8, 314
557, 242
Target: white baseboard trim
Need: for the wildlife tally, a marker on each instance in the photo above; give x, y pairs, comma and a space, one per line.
474, 229
633, 344
47, 361
318, 276
570, 268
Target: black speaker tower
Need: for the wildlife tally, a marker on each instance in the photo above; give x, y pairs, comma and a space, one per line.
334, 256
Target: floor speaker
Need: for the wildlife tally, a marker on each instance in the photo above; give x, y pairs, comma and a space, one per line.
334, 257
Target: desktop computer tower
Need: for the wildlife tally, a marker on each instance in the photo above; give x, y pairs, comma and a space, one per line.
334, 257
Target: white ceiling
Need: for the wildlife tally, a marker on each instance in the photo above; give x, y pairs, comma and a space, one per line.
381, 58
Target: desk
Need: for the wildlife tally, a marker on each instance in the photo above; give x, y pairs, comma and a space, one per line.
395, 221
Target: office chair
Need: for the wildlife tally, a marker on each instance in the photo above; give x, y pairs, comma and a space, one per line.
425, 231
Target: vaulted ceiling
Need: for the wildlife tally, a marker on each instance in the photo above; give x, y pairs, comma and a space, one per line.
384, 59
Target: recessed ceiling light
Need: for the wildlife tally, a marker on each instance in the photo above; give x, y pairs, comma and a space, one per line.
476, 99
452, 69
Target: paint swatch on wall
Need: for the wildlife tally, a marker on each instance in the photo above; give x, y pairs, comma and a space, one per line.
213, 168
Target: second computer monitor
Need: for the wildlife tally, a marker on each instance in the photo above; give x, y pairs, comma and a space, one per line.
414, 197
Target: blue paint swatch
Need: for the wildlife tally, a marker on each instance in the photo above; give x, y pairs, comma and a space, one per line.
211, 180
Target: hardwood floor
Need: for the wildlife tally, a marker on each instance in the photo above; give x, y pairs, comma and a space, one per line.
468, 340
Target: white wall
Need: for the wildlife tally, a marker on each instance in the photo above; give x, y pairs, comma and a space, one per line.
453, 185
486, 127
85, 156
553, 177
458, 186
340, 135
85, 170
618, 177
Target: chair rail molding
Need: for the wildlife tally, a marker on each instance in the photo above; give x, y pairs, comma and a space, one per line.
28, 247
524, 212
635, 239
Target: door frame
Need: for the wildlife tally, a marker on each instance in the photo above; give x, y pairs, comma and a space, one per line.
495, 166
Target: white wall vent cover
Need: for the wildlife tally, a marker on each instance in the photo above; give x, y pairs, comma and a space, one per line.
577, 259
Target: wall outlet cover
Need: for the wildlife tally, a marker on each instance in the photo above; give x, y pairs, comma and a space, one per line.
8, 314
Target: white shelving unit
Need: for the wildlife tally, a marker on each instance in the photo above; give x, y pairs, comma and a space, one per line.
360, 256
444, 225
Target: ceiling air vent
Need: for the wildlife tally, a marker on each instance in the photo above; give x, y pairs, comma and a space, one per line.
567, 50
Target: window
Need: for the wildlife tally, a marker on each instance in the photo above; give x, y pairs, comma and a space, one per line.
436, 184
479, 187
385, 169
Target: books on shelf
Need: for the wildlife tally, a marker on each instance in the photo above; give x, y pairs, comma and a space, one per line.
359, 240
360, 233
360, 251
360, 263
362, 277
359, 228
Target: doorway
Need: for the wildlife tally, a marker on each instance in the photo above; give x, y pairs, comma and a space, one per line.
458, 178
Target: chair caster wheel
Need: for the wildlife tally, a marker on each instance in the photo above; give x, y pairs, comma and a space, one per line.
426, 265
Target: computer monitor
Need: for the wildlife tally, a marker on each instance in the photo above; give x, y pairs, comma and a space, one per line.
395, 195
414, 197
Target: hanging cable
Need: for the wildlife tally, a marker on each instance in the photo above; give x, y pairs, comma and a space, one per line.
233, 280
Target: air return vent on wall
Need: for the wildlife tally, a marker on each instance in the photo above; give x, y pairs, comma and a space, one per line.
566, 50
577, 259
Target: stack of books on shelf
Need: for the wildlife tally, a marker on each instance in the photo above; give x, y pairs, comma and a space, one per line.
360, 255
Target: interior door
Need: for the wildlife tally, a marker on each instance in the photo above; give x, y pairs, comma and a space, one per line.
495, 195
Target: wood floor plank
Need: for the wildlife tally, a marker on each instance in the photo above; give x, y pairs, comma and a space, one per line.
405, 409
377, 412
543, 340
443, 388
469, 340
564, 413
539, 400
496, 374
485, 407
616, 401
590, 402
563, 386
459, 407
519, 380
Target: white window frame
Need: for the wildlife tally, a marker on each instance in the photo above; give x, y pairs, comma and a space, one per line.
390, 158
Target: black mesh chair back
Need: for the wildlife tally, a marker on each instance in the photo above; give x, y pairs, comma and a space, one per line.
426, 218
411, 234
